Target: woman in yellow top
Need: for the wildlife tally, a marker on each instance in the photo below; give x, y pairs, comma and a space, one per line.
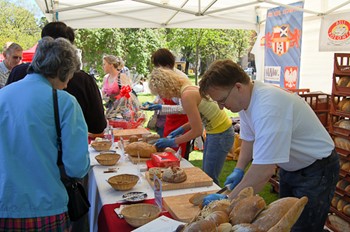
200, 112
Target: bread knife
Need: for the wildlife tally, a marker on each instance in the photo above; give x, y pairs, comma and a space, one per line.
222, 190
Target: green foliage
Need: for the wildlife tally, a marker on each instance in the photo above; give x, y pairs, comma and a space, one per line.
135, 46
18, 24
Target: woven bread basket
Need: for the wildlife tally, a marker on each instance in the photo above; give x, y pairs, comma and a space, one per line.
102, 145
123, 182
139, 214
107, 159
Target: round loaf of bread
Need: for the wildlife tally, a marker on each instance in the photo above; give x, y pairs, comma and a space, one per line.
133, 138
155, 172
344, 123
346, 106
346, 209
174, 175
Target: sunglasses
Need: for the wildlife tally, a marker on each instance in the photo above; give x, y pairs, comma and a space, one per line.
17, 57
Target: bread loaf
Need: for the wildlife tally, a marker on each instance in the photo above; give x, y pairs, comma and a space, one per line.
342, 143
289, 219
344, 123
201, 226
220, 205
218, 217
246, 210
341, 204
345, 166
197, 198
169, 149
245, 227
244, 193
334, 201
274, 212
174, 175
338, 223
341, 103
342, 184
150, 138
133, 138
143, 149
346, 106
346, 209
155, 172
343, 81
225, 227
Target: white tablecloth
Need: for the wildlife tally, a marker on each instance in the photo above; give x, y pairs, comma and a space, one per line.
101, 193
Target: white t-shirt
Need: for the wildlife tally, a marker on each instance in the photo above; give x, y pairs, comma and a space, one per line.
284, 128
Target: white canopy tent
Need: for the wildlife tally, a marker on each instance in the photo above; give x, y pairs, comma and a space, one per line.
316, 67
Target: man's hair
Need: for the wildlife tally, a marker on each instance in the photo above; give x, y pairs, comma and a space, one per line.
224, 74
57, 30
12, 47
163, 58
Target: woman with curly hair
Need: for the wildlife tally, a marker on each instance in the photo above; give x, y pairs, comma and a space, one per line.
200, 112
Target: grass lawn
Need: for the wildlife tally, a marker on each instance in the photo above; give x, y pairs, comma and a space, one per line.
196, 156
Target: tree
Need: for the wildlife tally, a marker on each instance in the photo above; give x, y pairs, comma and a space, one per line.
18, 24
135, 46
207, 45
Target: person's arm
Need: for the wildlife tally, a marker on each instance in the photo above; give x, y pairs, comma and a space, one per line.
190, 100
256, 176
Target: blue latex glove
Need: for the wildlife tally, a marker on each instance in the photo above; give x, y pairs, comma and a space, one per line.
152, 106
234, 178
213, 197
163, 142
178, 131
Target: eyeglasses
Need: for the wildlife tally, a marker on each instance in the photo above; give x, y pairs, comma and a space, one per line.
17, 57
223, 101
118, 69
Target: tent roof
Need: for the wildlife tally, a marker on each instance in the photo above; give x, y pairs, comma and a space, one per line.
243, 14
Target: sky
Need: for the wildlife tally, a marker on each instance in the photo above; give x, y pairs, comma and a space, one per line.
30, 5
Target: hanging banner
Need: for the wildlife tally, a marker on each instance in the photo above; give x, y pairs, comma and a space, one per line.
283, 46
335, 33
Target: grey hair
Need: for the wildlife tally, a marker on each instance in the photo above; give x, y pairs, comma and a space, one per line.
10, 47
55, 58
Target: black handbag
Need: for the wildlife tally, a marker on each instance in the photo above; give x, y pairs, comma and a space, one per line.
78, 204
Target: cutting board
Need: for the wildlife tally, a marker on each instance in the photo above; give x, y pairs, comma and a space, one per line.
195, 178
126, 133
180, 208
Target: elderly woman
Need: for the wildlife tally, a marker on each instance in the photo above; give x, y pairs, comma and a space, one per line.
33, 198
168, 84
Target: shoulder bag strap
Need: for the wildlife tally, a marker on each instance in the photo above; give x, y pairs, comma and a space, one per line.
58, 126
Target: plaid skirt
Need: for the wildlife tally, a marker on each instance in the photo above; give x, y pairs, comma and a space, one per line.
55, 223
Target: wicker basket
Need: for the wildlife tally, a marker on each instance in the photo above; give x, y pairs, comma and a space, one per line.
107, 159
139, 214
123, 182
103, 145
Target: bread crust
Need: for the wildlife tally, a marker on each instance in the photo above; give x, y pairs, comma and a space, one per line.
247, 209
143, 149
174, 175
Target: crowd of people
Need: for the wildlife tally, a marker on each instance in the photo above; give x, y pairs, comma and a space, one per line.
277, 129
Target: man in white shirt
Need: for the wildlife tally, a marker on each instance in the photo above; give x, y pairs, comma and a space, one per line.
277, 128
12, 57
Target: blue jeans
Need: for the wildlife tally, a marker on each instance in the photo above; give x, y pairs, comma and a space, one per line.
317, 182
216, 147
